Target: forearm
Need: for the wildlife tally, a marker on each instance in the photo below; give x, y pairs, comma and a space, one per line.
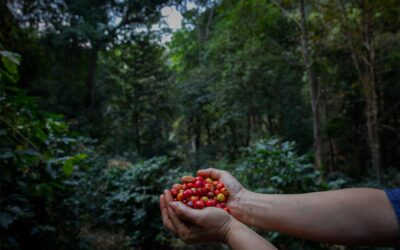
349, 216
240, 237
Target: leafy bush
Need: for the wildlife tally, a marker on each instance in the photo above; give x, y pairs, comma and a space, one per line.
39, 161
273, 166
126, 198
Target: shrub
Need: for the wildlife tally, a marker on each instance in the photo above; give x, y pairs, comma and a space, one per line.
127, 199
273, 166
40, 160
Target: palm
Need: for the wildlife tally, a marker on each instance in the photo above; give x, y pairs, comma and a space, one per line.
233, 186
236, 190
209, 224
194, 225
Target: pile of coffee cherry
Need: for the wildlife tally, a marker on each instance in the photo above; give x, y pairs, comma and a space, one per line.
197, 192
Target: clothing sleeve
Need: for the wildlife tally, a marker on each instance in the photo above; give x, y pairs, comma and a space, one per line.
394, 197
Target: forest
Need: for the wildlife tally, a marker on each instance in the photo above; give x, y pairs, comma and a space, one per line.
99, 114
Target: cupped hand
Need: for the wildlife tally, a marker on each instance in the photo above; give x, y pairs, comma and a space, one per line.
195, 225
236, 190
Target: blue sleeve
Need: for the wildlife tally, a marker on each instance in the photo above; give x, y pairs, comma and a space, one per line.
394, 197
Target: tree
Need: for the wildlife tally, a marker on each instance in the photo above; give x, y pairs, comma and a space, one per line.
235, 85
91, 26
314, 89
138, 103
364, 26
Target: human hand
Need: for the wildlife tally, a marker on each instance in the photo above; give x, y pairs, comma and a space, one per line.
236, 191
195, 225
208, 225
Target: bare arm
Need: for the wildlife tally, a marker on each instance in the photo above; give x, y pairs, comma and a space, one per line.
208, 225
359, 216
240, 237
350, 216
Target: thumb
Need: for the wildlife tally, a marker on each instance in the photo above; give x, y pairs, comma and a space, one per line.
184, 212
210, 172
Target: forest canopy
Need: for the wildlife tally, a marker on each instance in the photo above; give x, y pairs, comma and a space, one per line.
99, 113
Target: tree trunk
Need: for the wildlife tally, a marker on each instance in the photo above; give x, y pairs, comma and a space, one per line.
371, 95
137, 129
314, 89
368, 81
235, 145
248, 131
208, 130
196, 140
197, 134
90, 84
332, 166
372, 124
270, 124
210, 17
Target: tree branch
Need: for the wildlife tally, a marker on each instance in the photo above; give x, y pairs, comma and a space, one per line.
286, 13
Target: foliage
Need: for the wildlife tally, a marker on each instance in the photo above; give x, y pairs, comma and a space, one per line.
128, 199
273, 166
233, 73
39, 160
141, 106
97, 117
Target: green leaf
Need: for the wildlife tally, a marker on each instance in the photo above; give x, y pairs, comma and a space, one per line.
40, 135
5, 220
10, 66
10, 61
5, 155
13, 57
43, 190
68, 166
79, 157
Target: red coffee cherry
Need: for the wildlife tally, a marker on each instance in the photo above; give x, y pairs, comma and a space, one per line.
198, 192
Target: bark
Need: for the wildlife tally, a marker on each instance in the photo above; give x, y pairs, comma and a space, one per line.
232, 127
350, 39
314, 89
208, 130
332, 166
90, 83
329, 139
270, 124
210, 17
197, 134
371, 95
367, 78
248, 130
372, 123
196, 140
137, 129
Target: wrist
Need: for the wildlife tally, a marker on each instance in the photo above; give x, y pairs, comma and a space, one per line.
234, 227
240, 207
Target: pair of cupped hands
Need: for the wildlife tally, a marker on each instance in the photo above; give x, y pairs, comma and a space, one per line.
210, 224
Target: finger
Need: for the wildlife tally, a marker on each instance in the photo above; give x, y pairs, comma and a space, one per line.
186, 179
178, 224
168, 197
171, 214
164, 214
185, 213
212, 172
